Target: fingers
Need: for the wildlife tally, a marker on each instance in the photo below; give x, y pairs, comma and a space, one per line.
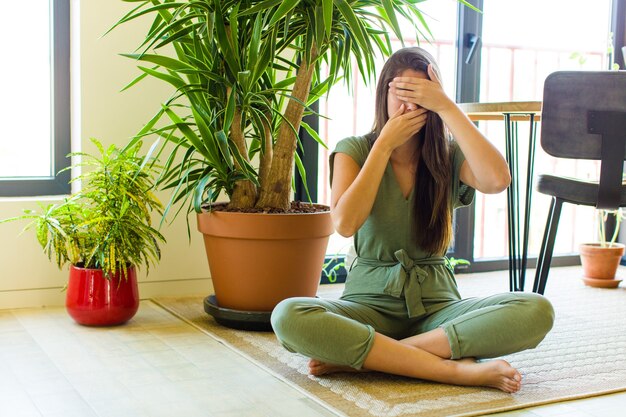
418, 119
414, 120
419, 111
402, 126
398, 112
405, 92
432, 74
423, 92
406, 83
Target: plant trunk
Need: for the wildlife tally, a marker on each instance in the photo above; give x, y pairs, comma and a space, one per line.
245, 193
277, 192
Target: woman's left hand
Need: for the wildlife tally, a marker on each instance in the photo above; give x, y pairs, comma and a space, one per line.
423, 92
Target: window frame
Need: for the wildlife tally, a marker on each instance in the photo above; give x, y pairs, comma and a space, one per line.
57, 183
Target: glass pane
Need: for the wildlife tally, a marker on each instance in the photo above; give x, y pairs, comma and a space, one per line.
25, 139
352, 113
517, 56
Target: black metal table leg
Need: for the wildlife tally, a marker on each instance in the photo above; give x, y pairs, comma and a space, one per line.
510, 201
518, 240
529, 191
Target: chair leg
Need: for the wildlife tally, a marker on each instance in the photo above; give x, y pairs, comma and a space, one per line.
547, 246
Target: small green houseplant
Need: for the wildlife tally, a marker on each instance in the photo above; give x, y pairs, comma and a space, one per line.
600, 260
603, 218
104, 230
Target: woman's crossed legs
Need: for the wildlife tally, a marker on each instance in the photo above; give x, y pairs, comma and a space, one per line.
339, 335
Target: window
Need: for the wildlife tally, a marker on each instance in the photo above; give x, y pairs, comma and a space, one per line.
515, 62
35, 110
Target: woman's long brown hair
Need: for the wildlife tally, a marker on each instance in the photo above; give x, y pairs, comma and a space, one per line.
432, 224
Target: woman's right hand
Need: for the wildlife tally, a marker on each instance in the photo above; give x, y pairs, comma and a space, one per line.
355, 188
402, 126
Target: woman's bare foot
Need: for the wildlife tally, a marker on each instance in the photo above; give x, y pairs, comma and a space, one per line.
318, 368
496, 374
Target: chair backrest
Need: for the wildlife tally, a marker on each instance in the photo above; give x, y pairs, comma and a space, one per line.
568, 96
584, 117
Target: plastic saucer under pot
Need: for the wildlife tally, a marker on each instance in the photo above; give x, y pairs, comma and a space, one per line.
237, 319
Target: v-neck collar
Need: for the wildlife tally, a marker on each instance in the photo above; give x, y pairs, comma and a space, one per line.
396, 183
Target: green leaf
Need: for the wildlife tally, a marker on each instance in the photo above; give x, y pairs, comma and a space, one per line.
173, 80
182, 33
285, 7
187, 132
164, 61
261, 7
133, 14
353, 24
313, 134
268, 52
471, 6
328, 16
222, 142
198, 194
302, 173
255, 40
391, 18
243, 78
135, 81
224, 43
319, 25
234, 28
208, 138
144, 130
231, 104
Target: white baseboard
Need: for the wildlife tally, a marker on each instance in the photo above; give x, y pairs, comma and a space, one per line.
175, 288
55, 296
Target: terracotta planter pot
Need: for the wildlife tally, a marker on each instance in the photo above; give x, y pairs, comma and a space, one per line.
600, 262
94, 300
257, 260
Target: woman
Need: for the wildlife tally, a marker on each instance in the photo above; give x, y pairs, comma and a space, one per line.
394, 190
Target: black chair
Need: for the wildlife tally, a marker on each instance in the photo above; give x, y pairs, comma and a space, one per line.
583, 117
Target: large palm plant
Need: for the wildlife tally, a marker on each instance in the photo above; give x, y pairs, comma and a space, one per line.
244, 74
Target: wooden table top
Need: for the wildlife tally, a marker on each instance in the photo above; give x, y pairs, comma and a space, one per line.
519, 110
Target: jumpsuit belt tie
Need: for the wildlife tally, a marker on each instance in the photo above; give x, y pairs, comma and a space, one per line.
407, 276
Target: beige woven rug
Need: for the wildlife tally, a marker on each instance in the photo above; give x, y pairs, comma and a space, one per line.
584, 355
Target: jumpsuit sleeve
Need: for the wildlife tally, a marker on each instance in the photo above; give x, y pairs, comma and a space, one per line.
356, 147
462, 194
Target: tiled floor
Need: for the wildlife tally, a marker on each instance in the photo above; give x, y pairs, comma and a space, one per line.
157, 365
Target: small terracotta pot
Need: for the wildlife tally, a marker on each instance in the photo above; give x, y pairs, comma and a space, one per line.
600, 262
257, 260
93, 300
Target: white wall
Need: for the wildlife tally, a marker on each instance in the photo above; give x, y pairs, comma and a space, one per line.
27, 278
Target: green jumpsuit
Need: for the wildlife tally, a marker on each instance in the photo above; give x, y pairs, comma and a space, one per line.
396, 289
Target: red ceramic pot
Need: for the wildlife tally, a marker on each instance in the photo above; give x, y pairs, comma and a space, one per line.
94, 300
